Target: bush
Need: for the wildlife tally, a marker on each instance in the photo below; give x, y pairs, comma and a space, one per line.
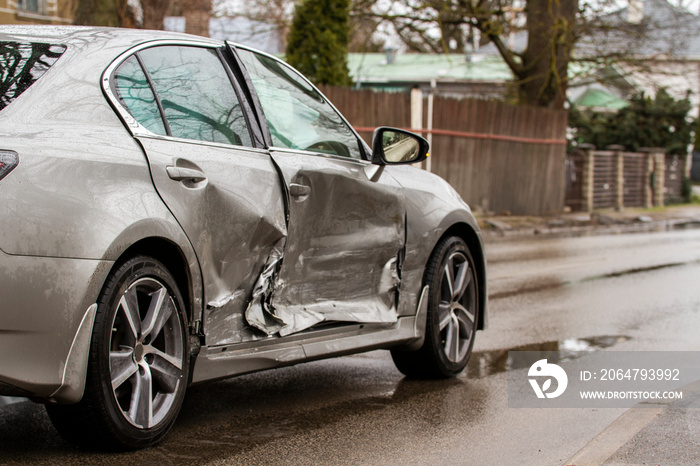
646, 122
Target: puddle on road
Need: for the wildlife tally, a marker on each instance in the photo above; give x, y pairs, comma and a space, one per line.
421, 405
485, 363
689, 225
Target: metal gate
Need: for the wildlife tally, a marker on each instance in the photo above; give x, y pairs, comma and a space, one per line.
574, 180
604, 180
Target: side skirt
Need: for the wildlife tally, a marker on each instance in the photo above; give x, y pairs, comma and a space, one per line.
226, 361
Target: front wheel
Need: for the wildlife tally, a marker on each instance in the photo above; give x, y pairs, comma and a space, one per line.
452, 314
138, 363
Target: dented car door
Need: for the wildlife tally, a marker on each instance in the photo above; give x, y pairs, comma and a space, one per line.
346, 232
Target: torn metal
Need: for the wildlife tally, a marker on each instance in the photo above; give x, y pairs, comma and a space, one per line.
260, 314
390, 280
221, 302
298, 319
264, 314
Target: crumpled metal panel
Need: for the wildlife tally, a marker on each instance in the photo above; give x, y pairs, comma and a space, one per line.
373, 309
266, 315
297, 319
345, 234
259, 313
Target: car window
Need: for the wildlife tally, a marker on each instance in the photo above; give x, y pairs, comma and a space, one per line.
297, 114
134, 93
22, 64
196, 94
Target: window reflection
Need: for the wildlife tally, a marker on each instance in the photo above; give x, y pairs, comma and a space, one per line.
196, 94
22, 64
399, 147
296, 113
28, 5
136, 95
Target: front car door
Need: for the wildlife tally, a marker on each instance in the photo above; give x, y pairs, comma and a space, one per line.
346, 232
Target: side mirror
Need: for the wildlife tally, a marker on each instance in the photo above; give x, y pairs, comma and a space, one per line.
395, 146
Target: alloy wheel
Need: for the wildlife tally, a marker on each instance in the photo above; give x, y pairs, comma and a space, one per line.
456, 307
146, 356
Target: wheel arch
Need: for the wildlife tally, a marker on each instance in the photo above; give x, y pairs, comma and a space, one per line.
184, 271
174, 259
104, 416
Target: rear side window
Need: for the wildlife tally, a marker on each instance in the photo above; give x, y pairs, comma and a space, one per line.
22, 64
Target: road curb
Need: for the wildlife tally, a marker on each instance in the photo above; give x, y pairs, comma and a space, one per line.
589, 230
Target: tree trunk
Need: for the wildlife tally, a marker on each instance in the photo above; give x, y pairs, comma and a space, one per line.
542, 80
153, 13
197, 14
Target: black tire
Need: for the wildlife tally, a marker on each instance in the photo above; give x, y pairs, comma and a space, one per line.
452, 315
138, 364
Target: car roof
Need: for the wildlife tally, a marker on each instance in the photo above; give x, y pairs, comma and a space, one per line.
90, 37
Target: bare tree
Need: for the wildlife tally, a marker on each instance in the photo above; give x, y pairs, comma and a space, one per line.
556, 32
442, 26
197, 14
153, 13
363, 28
276, 16
123, 13
266, 15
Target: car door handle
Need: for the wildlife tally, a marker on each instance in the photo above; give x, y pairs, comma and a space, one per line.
185, 174
298, 190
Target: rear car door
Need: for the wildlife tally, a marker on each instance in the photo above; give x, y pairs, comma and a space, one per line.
346, 232
224, 191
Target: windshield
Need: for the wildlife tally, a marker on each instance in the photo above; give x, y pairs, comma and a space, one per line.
22, 64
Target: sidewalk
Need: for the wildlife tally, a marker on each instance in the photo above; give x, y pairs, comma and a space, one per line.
497, 227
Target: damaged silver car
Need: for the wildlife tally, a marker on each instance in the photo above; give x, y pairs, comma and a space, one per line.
177, 209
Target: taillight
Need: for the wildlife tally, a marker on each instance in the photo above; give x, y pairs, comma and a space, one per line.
8, 161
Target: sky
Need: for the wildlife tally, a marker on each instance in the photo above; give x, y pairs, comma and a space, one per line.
691, 5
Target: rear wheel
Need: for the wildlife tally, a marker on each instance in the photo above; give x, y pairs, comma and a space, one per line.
138, 365
452, 314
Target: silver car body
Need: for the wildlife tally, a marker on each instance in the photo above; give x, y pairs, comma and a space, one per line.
339, 266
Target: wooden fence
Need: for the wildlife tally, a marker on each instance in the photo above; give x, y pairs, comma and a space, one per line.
365, 108
499, 157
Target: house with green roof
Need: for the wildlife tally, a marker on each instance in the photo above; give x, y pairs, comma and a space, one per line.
478, 76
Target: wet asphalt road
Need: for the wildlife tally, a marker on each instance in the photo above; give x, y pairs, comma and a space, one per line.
616, 292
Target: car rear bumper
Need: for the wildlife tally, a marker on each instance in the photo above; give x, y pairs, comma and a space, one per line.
46, 315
